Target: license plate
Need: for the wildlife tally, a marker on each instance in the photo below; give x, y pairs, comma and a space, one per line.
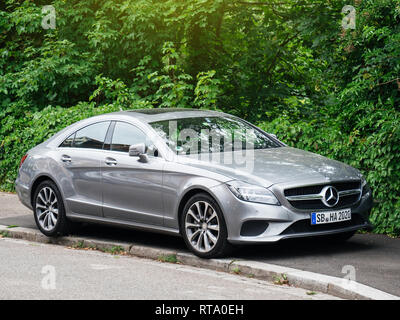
330, 216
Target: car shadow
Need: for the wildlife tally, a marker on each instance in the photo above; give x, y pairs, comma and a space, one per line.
130, 236
303, 247
285, 249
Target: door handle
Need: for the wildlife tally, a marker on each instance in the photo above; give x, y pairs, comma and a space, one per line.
65, 158
111, 162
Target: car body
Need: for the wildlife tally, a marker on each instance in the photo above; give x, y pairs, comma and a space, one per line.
107, 182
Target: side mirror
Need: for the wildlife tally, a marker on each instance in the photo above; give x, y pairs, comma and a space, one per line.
138, 150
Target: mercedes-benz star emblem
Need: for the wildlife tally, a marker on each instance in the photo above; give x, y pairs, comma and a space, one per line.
330, 196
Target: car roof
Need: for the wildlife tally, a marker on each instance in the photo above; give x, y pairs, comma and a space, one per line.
145, 116
160, 114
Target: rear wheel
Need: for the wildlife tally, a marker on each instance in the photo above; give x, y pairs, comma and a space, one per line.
203, 227
49, 210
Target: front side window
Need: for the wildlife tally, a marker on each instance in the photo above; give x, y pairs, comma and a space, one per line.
92, 136
126, 135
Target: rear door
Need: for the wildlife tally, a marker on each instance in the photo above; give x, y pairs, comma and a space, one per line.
81, 155
132, 190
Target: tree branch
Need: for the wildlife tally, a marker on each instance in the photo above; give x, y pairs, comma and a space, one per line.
273, 63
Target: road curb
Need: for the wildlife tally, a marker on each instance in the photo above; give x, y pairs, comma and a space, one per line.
303, 279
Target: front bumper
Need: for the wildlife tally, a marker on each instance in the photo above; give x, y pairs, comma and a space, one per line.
282, 222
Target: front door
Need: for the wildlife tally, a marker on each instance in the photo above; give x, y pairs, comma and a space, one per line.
132, 190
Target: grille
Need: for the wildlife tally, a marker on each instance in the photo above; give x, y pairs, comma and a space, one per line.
340, 186
310, 204
304, 226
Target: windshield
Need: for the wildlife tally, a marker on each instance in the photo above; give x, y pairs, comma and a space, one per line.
211, 134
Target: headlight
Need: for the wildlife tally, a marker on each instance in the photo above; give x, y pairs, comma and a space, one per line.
363, 182
364, 186
252, 193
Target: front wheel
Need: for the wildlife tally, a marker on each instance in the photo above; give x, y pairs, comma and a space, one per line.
49, 210
203, 227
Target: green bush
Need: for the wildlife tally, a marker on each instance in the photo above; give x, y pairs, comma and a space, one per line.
289, 66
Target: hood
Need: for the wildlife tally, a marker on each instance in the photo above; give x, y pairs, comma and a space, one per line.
275, 165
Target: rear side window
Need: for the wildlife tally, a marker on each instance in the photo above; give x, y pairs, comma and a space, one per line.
90, 137
126, 135
68, 142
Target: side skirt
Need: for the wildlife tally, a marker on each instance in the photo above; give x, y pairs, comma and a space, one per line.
124, 224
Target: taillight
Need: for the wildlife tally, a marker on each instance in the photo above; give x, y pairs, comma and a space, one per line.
22, 160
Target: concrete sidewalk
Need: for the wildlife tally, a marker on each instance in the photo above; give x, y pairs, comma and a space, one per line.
94, 275
10, 206
375, 259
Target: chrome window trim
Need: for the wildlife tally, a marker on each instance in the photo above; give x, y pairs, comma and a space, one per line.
320, 195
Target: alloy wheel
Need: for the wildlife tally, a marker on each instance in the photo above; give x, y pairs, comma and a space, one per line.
202, 226
47, 210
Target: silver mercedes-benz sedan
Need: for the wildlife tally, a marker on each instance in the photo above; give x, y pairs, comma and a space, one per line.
210, 177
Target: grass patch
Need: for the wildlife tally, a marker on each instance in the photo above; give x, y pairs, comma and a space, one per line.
281, 280
311, 293
114, 250
236, 270
4, 234
78, 245
170, 258
12, 226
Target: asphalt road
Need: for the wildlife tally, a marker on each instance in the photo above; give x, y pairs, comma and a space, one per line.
41, 271
375, 258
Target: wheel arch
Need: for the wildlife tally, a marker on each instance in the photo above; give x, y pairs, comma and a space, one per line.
38, 180
189, 194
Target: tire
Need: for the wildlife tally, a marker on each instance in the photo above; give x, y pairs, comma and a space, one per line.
47, 198
199, 229
339, 237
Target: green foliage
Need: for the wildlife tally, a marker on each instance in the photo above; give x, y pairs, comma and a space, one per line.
109, 91
174, 89
207, 90
287, 65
